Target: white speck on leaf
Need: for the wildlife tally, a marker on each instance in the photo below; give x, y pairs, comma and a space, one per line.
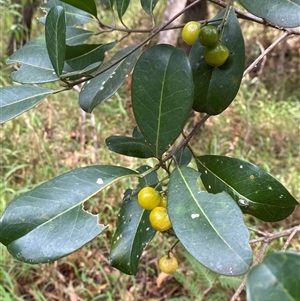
99, 181
101, 88
270, 188
241, 166
195, 215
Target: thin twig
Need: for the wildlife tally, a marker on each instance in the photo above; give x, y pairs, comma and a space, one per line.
271, 236
251, 17
289, 239
262, 55
137, 46
187, 138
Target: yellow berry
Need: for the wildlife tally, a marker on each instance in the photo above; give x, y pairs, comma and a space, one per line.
148, 198
159, 219
168, 264
190, 32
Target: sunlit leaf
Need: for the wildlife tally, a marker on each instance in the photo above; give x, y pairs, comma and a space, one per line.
209, 226
15, 100
276, 278
256, 192
48, 222
283, 13
55, 34
215, 88
106, 84
162, 94
86, 5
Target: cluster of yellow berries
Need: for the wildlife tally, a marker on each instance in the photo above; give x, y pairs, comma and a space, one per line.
215, 53
151, 199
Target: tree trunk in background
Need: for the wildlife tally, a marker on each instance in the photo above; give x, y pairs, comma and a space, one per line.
171, 36
196, 13
27, 10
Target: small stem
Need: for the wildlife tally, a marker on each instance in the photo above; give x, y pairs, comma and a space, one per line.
289, 239
263, 54
269, 237
227, 11
250, 17
174, 245
141, 43
187, 139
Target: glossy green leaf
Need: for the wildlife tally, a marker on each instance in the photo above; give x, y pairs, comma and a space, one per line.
162, 95
76, 36
35, 64
283, 13
148, 6
122, 6
48, 222
215, 88
81, 56
106, 84
74, 16
129, 146
86, 5
132, 235
55, 34
256, 192
210, 226
277, 278
15, 100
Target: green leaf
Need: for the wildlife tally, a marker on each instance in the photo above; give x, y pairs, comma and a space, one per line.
86, 5
122, 6
132, 235
55, 34
76, 36
129, 146
276, 278
210, 226
215, 88
81, 56
162, 95
15, 100
255, 191
80, 73
106, 84
35, 64
74, 16
148, 6
183, 157
283, 13
48, 222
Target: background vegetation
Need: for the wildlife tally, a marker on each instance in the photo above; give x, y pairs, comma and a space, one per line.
262, 126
